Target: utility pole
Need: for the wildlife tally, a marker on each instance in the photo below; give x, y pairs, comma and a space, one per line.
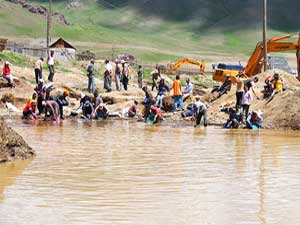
49, 18
265, 34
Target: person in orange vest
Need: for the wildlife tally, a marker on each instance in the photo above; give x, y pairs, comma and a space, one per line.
177, 94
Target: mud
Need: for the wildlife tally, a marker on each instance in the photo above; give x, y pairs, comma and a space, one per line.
12, 145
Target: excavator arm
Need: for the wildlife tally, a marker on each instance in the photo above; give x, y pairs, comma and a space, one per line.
178, 63
255, 62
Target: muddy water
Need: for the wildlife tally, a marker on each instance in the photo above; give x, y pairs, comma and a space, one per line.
131, 173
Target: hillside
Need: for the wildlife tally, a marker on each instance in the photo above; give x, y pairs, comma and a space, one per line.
155, 30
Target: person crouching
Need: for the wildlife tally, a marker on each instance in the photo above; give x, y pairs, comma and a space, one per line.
155, 115
101, 112
29, 110
200, 110
254, 120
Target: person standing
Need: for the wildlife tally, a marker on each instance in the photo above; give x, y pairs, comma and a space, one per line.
246, 101
107, 76
38, 68
239, 90
91, 77
162, 88
177, 94
140, 76
125, 74
155, 74
51, 62
118, 76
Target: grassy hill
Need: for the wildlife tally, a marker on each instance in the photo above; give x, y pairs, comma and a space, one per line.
156, 30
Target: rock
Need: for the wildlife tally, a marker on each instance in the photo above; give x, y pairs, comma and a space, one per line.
12, 145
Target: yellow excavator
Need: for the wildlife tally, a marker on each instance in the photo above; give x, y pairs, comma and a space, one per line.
173, 67
255, 62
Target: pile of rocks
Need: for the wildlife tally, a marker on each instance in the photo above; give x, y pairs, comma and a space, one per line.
40, 10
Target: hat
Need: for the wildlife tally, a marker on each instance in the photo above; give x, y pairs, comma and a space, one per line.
66, 93
122, 61
41, 80
82, 95
6, 63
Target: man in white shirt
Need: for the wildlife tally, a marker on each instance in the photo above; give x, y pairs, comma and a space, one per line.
51, 66
188, 88
199, 111
107, 76
38, 68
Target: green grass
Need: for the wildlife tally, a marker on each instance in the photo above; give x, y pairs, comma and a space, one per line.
15, 59
148, 38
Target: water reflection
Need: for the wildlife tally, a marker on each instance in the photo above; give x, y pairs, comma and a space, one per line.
131, 173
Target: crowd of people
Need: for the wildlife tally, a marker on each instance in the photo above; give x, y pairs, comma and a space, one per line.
92, 106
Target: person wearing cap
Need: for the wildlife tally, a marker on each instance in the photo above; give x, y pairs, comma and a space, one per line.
62, 101
162, 89
200, 110
125, 75
188, 90
38, 68
91, 76
177, 94
140, 77
107, 76
51, 62
6, 74
118, 76
254, 120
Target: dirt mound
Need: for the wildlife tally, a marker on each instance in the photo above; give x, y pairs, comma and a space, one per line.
282, 112
12, 145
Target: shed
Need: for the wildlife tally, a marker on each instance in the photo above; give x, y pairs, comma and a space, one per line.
63, 51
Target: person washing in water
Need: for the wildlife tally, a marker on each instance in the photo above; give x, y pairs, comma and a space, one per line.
254, 120
29, 110
200, 110
155, 115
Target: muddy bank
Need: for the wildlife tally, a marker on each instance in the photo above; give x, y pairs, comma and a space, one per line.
282, 112
12, 145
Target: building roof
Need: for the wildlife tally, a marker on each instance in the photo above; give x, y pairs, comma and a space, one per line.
61, 43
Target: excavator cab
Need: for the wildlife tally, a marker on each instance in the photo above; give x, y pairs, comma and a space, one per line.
221, 70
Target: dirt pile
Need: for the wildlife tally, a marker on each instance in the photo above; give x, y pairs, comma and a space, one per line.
12, 145
282, 112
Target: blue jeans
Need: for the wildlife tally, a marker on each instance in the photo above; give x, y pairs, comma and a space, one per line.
159, 101
178, 101
91, 84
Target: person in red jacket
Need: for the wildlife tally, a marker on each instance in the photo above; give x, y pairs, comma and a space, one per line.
29, 110
6, 74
